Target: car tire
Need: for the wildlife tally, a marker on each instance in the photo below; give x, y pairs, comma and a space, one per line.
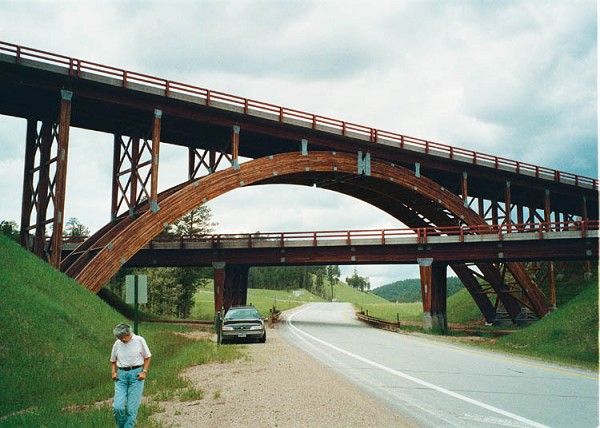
263, 339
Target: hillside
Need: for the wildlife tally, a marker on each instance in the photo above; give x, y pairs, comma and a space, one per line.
55, 341
54, 327
409, 290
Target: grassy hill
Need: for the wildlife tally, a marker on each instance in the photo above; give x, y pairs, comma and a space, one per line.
409, 290
55, 341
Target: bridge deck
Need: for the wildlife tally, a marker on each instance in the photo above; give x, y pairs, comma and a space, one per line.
119, 78
382, 237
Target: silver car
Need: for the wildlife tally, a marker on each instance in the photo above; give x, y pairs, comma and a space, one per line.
243, 322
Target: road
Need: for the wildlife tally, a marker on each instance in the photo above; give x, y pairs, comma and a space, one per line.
439, 384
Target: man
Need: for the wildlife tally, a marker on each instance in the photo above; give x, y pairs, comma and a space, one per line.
130, 359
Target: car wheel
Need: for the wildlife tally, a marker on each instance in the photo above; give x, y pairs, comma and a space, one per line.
263, 339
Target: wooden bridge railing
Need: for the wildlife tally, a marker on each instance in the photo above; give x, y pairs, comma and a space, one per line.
407, 236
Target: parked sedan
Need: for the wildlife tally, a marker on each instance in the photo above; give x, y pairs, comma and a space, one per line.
243, 322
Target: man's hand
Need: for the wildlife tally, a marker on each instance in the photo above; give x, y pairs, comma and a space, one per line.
115, 376
142, 375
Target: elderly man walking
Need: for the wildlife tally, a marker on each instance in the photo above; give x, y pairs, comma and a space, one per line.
130, 359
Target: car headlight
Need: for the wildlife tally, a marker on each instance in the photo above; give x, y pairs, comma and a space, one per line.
225, 327
256, 327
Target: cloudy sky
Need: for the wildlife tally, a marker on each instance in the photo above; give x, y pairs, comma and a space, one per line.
510, 78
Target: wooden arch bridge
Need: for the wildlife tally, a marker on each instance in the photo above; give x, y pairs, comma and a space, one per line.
425, 185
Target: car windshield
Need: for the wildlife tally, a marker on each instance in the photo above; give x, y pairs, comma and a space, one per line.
242, 314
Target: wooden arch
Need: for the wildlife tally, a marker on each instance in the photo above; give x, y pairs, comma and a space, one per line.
112, 246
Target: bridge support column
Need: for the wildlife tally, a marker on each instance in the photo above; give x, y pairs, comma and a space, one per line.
235, 147
156, 124
45, 183
433, 291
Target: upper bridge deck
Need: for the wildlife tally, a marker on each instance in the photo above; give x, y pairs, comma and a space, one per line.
114, 100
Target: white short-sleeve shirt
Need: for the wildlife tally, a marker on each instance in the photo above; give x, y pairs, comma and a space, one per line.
131, 353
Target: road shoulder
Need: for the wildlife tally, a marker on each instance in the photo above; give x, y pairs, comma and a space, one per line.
275, 385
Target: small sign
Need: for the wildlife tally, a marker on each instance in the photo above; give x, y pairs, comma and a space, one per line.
142, 289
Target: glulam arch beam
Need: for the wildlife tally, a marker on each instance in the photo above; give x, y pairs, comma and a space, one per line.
124, 240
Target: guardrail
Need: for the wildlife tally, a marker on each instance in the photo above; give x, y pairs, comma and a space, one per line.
377, 322
168, 88
409, 236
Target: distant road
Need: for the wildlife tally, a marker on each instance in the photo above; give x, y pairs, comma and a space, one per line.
439, 384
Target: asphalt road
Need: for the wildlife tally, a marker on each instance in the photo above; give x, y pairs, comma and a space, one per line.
438, 384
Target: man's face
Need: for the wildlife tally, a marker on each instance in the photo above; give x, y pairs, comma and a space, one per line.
126, 339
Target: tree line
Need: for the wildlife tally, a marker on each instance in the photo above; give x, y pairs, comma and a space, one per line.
311, 278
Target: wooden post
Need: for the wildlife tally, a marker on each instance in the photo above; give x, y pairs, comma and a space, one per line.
235, 147
547, 211
439, 293
27, 204
114, 205
425, 272
465, 188
219, 284
43, 186
134, 174
154, 168
552, 285
60, 188
507, 207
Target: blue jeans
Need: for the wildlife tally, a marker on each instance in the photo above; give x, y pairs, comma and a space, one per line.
128, 396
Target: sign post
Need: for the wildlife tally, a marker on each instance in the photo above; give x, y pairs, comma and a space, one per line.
136, 292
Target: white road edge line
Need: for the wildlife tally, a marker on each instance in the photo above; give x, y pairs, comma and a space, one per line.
412, 378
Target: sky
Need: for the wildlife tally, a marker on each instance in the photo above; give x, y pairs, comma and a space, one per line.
516, 79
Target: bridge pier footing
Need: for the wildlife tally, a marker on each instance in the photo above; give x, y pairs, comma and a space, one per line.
435, 321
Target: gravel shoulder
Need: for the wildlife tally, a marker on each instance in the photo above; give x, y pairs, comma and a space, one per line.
275, 385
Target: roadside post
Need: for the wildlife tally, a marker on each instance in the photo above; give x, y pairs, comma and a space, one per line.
136, 293
218, 323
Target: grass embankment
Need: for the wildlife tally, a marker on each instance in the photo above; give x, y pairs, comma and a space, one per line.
568, 335
55, 342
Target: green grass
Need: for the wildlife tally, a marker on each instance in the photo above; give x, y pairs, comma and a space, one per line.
377, 306
55, 341
462, 309
568, 335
